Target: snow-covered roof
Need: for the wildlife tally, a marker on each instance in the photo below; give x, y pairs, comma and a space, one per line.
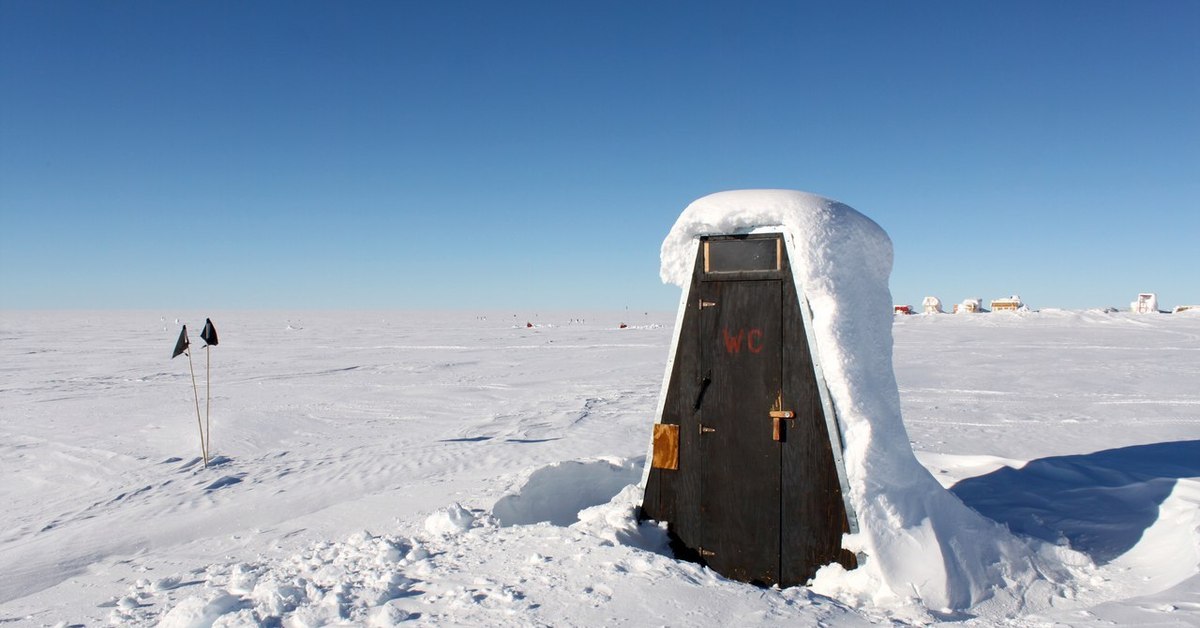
833, 228
917, 539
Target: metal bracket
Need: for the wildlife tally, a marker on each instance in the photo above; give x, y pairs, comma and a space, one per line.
778, 415
706, 430
704, 304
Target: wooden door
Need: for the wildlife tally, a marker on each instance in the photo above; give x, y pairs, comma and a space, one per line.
741, 363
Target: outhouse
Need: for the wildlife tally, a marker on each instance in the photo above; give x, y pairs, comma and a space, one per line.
746, 463
778, 451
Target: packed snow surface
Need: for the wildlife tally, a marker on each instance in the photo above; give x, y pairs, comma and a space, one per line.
420, 469
919, 546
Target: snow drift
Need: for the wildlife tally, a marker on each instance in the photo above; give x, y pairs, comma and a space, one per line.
919, 545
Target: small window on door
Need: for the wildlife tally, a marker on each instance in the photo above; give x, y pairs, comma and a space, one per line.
739, 255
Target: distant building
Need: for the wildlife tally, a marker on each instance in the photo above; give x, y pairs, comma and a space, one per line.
1009, 304
969, 306
1146, 303
902, 309
932, 305
1184, 308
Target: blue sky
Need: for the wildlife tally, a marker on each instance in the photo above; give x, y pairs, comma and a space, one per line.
534, 155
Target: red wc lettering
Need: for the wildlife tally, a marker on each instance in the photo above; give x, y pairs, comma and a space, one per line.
752, 339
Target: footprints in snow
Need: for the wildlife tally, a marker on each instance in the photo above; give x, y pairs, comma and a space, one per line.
447, 577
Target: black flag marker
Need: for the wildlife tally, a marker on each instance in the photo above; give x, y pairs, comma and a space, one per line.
209, 334
181, 345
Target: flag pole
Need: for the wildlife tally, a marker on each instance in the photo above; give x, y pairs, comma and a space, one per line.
207, 396
203, 446
209, 336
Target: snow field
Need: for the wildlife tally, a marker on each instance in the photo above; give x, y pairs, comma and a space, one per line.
364, 457
1092, 437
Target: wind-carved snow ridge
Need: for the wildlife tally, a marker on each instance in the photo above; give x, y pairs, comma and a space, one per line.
556, 493
600, 497
923, 553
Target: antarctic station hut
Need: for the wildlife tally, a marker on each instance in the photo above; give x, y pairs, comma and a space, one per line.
779, 455
746, 462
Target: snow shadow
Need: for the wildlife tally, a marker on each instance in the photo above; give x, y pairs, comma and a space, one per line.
1100, 503
558, 492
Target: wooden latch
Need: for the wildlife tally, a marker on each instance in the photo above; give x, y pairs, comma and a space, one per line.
778, 414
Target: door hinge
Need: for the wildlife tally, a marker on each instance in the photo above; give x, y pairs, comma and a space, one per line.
704, 304
706, 553
704, 429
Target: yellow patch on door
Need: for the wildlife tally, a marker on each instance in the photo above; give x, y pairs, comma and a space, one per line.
666, 446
